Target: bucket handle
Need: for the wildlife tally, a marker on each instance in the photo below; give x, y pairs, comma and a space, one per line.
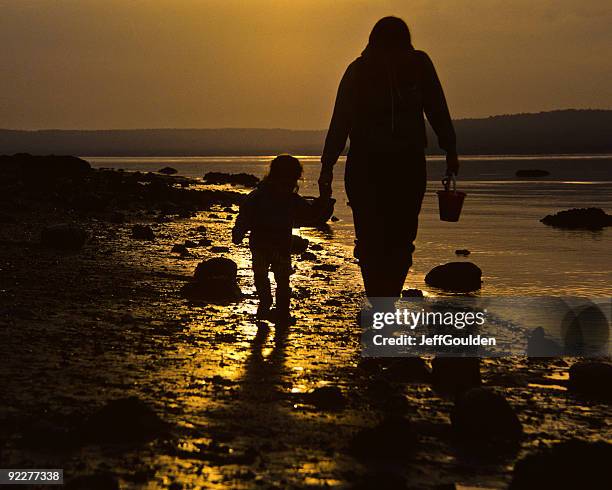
447, 180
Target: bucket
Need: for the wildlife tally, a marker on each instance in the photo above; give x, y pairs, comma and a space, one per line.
450, 201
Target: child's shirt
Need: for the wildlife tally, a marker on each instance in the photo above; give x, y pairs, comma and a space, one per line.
270, 214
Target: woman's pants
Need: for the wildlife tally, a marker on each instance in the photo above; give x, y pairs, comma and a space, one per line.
385, 191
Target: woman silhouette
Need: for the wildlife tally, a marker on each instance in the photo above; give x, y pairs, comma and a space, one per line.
380, 105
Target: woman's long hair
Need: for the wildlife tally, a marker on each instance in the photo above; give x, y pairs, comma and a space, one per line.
390, 36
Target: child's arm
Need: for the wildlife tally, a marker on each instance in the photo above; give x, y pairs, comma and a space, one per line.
244, 220
320, 209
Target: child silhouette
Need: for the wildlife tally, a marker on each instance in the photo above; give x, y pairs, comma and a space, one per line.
269, 213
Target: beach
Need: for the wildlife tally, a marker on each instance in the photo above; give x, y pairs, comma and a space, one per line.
233, 401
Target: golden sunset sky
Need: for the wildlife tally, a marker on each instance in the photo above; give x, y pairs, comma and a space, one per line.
277, 63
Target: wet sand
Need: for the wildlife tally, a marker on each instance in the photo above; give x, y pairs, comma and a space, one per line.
80, 329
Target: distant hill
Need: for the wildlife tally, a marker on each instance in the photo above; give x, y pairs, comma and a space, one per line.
563, 131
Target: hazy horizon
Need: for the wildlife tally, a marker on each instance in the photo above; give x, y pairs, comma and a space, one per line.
155, 64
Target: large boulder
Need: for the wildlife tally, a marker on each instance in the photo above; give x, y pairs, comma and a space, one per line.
246, 180
459, 277
214, 280
592, 379
215, 267
455, 374
481, 415
584, 218
63, 237
125, 420
571, 464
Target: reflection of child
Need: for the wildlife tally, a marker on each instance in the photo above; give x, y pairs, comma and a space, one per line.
269, 213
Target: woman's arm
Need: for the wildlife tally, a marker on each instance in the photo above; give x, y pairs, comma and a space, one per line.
338, 132
438, 115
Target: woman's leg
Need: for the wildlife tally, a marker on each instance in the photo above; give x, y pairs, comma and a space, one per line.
385, 192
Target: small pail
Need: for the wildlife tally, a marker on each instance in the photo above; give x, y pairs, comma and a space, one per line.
450, 201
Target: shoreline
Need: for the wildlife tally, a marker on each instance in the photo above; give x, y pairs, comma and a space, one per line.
85, 328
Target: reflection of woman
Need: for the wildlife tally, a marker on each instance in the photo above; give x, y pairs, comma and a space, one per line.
380, 105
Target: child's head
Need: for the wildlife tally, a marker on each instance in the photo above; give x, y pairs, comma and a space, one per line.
285, 171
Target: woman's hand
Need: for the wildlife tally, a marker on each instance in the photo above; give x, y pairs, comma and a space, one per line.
325, 182
452, 164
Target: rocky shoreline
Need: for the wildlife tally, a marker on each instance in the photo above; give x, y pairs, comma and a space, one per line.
112, 374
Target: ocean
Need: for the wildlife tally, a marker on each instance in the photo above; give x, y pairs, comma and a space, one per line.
500, 223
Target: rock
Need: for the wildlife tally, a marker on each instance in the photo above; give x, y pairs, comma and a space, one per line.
571, 464
243, 179
167, 171
412, 293
532, 173
586, 332
540, 346
333, 302
49, 168
219, 249
190, 244
455, 276
334, 219
201, 229
215, 267
327, 398
481, 415
325, 267
142, 232
308, 256
63, 237
317, 247
455, 374
408, 370
214, 280
298, 245
204, 242
116, 217
592, 379
186, 213
179, 248
126, 420
392, 439
462, 251
95, 481
584, 218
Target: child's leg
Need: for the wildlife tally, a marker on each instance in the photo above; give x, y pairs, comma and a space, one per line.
261, 268
281, 266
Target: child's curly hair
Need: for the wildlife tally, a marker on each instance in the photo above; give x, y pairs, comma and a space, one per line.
285, 170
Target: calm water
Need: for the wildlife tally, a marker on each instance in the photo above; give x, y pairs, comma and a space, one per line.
500, 222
